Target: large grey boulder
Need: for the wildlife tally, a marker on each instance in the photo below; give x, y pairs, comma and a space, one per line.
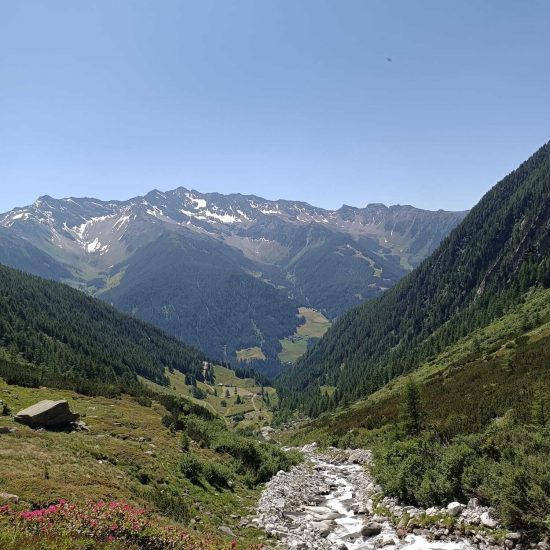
488, 521
47, 414
371, 529
454, 509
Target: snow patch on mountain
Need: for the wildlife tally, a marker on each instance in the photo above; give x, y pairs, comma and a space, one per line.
199, 203
155, 212
94, 246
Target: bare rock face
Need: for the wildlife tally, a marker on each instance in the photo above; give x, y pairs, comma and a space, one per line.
47, 414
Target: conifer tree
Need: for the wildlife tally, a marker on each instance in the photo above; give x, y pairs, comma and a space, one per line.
412, 409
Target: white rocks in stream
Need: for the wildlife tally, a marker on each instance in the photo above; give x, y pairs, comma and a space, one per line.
330, 502
326, 503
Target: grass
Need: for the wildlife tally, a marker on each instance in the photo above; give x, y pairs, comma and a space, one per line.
254, 409
249, 354
315, 326
127, 454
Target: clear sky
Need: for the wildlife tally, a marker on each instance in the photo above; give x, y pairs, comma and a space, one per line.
281, 98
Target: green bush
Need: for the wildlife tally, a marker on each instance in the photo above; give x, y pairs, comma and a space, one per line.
201, 430
184, 442
216, 474
191, 467
507, 466
442, 482
170, 503
144, 401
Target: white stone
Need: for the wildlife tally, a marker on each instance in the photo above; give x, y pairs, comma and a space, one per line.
488, 521
454, 509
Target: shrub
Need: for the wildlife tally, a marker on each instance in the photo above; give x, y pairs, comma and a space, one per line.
144, 401
184, 442
216, 474
201, 430
507, 466
191, 467
170, 503
100, 522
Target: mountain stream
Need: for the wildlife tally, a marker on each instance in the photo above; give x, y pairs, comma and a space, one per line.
325, 503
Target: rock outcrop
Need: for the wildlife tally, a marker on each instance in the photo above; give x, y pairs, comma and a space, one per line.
47, 414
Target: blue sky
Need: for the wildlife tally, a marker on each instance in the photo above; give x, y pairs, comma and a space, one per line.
280, 98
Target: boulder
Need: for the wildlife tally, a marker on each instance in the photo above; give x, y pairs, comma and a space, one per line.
473, 503
7, 429
370, 529
385, 542
324, 527
454, 509
8, 497
50, 414
488, 521
226, 531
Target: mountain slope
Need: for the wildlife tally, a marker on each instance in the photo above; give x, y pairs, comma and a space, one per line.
262, 258
66, 332
481, 269
198, 291
20, 254
482, 405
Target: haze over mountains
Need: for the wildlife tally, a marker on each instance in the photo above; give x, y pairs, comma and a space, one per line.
221, 272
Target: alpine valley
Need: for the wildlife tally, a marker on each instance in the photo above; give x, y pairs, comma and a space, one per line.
418, 421
224, 273
191, 370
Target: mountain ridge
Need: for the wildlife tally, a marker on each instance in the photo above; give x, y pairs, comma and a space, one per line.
278, 255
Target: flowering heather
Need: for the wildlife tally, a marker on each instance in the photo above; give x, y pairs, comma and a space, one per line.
107, 522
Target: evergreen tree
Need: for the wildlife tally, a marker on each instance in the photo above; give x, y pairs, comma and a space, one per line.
539, 410
412, 409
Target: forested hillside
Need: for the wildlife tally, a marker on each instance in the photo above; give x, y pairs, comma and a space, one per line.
196, 290
226, 273
66, 332
480, 270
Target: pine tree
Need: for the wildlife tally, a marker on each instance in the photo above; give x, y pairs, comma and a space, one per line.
412, 409
539, 411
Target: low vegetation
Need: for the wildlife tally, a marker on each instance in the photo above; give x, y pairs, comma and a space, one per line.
314, 327
114, 524
167, 455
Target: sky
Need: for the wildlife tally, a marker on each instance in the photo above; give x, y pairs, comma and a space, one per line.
336, 102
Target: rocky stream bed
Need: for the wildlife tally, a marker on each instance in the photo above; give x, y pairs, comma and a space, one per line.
331, 502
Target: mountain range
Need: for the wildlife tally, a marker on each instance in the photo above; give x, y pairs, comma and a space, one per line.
221, 272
